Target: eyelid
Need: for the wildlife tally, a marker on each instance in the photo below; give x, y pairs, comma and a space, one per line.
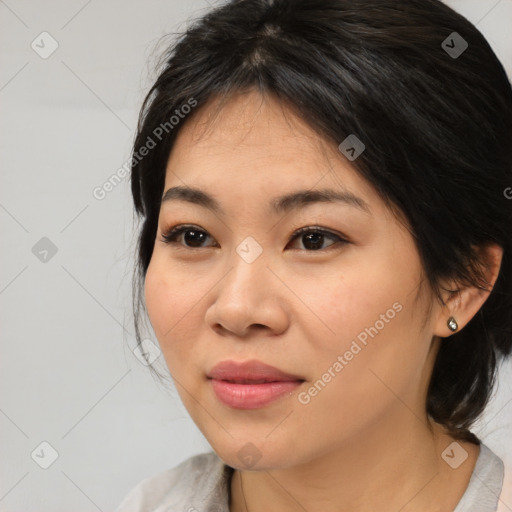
177, 230
169, 233
319, 229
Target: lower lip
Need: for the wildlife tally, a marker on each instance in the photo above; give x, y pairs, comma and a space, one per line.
251, 396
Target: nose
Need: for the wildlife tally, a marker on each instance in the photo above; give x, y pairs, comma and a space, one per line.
249, 298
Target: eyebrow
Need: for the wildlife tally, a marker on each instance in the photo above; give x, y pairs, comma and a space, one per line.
281, 204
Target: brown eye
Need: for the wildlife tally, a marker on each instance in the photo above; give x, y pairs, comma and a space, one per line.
193, 236
313, 238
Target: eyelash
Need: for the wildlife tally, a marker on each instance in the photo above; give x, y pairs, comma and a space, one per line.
170, 235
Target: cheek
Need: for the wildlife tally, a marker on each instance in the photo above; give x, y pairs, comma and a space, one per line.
344, 303
380, 367
367, 315
160, 303
170, 299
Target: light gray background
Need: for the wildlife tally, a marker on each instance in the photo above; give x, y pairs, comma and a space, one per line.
68, 376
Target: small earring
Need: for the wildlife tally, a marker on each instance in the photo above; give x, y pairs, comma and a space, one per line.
452, 324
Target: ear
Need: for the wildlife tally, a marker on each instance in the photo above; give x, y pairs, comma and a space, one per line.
464, 303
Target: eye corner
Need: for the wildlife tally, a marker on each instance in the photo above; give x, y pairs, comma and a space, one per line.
340, 240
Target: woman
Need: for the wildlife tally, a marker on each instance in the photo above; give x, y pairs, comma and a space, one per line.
325, 255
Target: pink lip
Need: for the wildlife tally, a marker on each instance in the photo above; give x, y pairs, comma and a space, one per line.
245, 392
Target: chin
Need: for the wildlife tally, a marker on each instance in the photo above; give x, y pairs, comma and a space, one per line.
254, 455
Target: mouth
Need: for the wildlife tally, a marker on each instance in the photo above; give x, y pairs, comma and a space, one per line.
256, 381
250, 372
252, 394
252, 384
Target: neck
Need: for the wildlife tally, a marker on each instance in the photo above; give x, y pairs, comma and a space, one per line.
401, 470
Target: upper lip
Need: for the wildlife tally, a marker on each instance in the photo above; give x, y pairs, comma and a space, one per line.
252, 370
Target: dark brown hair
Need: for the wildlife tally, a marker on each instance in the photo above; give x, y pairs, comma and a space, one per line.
437, 129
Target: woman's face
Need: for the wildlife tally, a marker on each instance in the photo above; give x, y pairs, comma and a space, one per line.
342, 310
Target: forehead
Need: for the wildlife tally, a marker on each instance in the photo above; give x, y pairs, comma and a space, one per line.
257, 144
250, 122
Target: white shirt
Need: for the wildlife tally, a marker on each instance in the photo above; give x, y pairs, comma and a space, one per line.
202, 484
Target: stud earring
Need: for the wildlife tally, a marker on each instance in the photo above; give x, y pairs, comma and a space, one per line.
452, 324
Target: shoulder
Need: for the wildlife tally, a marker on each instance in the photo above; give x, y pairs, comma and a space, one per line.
199, 482
485, 485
